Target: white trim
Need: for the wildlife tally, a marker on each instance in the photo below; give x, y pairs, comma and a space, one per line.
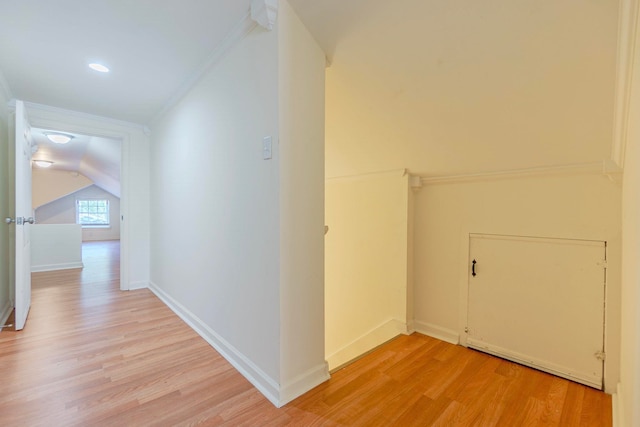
265, 384
627, 33
5, 313
601, 167
238, 33
303, 383
56, 267
438, 332
265, 13
366, 342
134, 286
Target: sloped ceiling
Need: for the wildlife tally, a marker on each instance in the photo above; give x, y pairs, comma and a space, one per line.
151, 46
96, 158
438, 86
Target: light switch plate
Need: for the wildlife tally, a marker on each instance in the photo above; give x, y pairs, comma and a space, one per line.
267, 145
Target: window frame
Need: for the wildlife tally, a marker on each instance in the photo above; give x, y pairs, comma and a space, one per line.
80, 212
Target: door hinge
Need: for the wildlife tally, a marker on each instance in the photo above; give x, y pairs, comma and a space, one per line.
600, 355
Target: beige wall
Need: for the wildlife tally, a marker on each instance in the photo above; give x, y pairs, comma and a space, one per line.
628, 397
49, 185
573, 206
472, 86
366, 263
630, 351
495, 88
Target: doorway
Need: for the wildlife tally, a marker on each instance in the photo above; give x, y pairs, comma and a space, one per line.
76, 195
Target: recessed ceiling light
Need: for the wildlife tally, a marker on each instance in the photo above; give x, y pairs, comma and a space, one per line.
43, 163
99, 67
58, 138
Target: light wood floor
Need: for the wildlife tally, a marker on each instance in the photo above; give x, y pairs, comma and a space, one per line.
92, 355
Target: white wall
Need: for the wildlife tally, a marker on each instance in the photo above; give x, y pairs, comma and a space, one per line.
5, 182
229, 228
63, 211
301, 90
49, 185
366, 263
134, 200
56, 247
215, 229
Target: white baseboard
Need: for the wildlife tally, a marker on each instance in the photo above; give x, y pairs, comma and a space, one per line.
134, 286
366, 342
303, 383
437, 332
55, 267
265, 384
617, 407
5, 313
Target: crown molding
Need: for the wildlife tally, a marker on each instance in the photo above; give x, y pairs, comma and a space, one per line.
627, 40
238, 33
265, 13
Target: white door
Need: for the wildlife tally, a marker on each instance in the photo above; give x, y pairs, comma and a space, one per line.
539, 302
23, 216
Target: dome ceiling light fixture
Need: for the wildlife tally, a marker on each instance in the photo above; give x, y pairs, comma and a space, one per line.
58, 138
99, 67
43, 163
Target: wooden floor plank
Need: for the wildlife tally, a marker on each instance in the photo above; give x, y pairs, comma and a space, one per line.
91, 354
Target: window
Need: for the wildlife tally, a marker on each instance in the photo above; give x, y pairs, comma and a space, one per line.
92, 213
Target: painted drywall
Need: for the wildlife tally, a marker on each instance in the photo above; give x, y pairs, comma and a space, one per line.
629, 389
49, 185
56, 247
301, 92
134, 200
496, 88
245, 270
5, 182
463, 87
628, 393
366, 264
63, 211
580, 206
215, 231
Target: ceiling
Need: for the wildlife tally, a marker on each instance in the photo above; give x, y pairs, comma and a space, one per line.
406, 61
94, 157
152, 47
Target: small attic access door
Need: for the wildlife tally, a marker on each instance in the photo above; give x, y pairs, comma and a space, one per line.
539, 302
